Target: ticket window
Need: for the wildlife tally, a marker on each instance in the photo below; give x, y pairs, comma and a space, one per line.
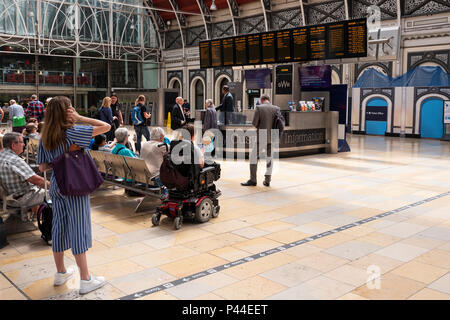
253, 97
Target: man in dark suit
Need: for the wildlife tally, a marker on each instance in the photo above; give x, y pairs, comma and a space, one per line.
177, 115
227, 105
263, 120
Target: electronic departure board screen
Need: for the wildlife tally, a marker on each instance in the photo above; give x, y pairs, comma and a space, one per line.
228, 51
356, 38
317, 42
284, 46
254, 48
268, 47
216, 53
300, 44
336, 41
240, 45
205, 54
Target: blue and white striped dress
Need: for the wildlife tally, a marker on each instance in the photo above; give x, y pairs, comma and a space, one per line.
71, 214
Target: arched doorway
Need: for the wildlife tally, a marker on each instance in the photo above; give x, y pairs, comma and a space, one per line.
376, 116
175, 84
431, 118
199, 95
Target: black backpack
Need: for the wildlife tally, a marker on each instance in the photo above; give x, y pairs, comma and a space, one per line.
96, 114
44, 219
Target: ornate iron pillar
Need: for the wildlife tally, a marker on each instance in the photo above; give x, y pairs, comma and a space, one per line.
266, 6
181, 19
303, 12
158, 22
206, 15
234, 13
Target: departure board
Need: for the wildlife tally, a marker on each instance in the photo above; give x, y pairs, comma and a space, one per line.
356, 38
254, 49
284, 46
300, 44
205, 54
216, 53
336, 41
268, 47
228, 51
317, 42
240, 45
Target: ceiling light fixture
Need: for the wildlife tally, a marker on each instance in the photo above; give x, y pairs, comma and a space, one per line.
213, 6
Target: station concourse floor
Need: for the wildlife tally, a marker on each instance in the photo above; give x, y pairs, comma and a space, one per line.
409, 249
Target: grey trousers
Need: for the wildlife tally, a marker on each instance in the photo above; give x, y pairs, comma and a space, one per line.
255, 156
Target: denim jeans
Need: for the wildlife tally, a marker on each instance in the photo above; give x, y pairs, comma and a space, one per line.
141, 130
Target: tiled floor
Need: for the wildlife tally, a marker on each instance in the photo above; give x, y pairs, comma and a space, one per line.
405, 255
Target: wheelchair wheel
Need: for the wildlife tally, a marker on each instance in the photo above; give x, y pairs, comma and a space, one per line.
204, 210
155, 219
216, 210
177, 222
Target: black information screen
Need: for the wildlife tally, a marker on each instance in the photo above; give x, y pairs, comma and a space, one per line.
284, 46
216, 53
240, 45
228, 51
300, 44
205, 54
356, 38
317, 41
254, 49
268, 47
336, 41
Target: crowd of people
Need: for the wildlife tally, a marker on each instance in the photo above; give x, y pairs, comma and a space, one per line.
58, 126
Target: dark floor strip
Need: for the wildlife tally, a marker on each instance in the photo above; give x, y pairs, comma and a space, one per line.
272, 251
23, 293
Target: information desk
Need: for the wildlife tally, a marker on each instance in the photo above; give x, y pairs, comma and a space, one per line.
305, 132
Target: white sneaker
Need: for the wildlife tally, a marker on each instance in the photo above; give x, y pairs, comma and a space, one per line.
91, 285
61, 278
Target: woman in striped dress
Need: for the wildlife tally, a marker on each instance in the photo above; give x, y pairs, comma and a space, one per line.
71, 226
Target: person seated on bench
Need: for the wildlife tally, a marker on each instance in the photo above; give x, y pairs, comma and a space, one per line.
100, 144
152, 154
122, 139
17, 177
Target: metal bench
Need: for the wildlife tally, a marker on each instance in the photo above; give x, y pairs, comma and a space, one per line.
128, 173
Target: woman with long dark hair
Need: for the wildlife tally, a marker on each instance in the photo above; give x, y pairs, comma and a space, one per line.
71, 225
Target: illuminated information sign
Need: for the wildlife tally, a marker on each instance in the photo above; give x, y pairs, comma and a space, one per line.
228, 51
254, 49
240, 45
300, 44
337, 40
205, 54
356, 38
268, 47
317, 43
216, 53
284, 46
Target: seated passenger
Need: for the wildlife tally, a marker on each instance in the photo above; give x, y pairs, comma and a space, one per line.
30, 131
100, 144
198, 153
17, 177
122, 139
152, 154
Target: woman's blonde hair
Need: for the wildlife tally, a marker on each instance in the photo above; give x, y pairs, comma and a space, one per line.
106, 102
56, 123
